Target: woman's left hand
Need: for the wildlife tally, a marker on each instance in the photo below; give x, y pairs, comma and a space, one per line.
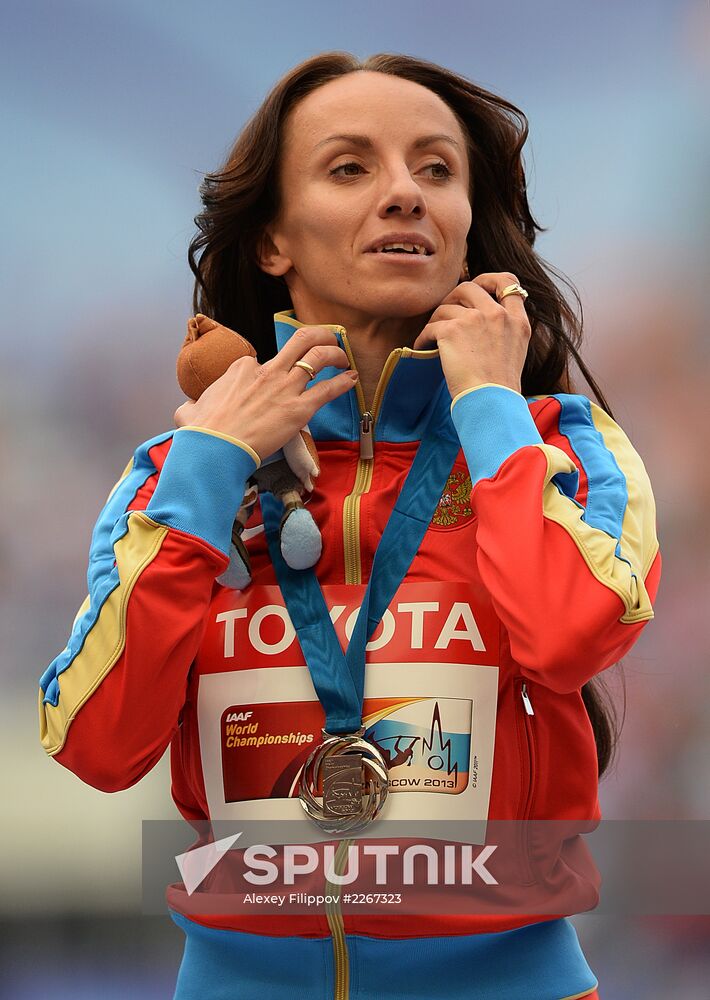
479, 339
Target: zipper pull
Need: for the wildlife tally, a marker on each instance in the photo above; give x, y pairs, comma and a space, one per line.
366, 450
526, 699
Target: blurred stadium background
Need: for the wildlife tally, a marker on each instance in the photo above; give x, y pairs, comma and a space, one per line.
111, 114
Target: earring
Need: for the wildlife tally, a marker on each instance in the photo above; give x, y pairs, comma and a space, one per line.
464, 273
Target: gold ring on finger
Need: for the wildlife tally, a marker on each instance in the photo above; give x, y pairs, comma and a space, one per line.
514, 289
306, 367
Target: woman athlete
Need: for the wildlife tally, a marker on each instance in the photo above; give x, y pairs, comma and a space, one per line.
372, 216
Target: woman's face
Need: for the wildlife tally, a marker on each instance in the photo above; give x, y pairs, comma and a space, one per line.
338, 196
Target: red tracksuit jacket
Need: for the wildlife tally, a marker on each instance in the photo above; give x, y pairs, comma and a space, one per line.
539, 569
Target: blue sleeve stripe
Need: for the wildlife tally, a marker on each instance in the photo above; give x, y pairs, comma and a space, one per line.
101, 555
48, 682
607, 494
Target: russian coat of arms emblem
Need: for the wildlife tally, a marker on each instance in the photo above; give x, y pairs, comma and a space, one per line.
454, 507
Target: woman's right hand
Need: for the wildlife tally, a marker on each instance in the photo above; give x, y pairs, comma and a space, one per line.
266, 405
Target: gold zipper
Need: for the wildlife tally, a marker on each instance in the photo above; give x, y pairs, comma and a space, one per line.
353, 574
336, 924
366, 459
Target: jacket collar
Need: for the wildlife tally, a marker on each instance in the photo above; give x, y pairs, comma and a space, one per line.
409, 383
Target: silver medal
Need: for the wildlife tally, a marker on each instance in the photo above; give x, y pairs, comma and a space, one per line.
354, 781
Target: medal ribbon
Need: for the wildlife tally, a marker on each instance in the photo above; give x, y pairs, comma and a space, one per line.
338, 677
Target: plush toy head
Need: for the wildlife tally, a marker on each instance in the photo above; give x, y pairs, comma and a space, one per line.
206, 353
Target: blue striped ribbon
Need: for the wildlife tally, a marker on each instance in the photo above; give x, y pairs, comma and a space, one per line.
338, 677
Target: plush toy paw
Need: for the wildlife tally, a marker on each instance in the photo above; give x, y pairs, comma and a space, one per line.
238, 574
301, 543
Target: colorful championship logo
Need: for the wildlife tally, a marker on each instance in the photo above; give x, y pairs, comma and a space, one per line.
426, 742
454, 507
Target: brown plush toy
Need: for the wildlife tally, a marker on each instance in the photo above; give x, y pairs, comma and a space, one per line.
206, 353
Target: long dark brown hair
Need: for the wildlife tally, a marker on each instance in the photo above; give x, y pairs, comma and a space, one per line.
243, 196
